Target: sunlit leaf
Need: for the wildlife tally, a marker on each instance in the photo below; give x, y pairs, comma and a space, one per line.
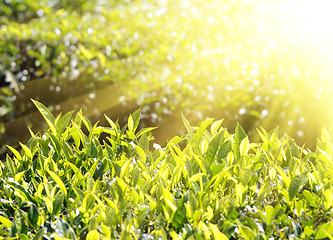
130, 123
187, 125
263, 191
239, 134
224, 150
47, 115
85, 121
63, 122
325, 135
112, 124
216, 232
246, 233
324, 230
18, 177
26, 151
16, 153
58, 181
136, 119
11, 166
202, 128
144, 143
145, 130
20, 189
215, 126
244, 146
6, 222
64, 230
93, 235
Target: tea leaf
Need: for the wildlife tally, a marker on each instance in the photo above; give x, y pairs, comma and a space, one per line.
215, 126
16, 153
93, 235
246, 233
214, 146
244, 146
112, 124
200, 163
26, 151
63, 122
309, 197
271, 212
325, 135
198, 134
141, 154
145, 130
7, 223
284, 176
39, 234
130, 123
106, 231
47, 115
196, 177
11, 166
293, 148
55, 142
64, 230
295, 183
18, 176
58, 203
187, 125
90, 182
216, 232
176, 140
136, 119
239, 134
86, 122
170, 204
33, 215
20, 189
324, 230
152, 202
144, 143
224, 150
262, 193
58, 181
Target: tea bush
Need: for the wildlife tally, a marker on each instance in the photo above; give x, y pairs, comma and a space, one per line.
82, 181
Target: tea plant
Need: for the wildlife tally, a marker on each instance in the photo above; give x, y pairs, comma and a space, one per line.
84, 181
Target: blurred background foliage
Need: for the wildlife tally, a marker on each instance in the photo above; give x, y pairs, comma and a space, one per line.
262, 63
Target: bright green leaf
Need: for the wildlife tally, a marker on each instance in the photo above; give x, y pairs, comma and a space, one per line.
216, 232
47, 115
58, 181
6, 222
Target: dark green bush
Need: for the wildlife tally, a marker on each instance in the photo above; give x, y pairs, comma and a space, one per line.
69, 183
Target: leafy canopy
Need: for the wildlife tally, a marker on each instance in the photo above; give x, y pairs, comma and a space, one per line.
69, 183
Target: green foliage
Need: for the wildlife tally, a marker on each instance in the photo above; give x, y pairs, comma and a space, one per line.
69, 183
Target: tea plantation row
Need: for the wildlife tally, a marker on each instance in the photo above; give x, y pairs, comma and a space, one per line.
68, 183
